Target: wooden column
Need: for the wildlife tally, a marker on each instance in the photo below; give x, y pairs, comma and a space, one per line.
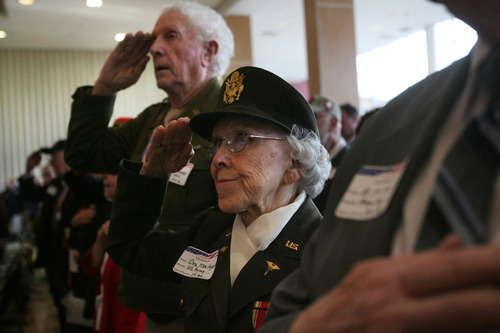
331, 49
240, 26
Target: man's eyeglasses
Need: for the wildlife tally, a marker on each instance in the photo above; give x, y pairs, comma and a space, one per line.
237, 141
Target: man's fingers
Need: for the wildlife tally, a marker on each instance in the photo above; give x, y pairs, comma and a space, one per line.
146, 42
183, 131
461, 311
142, 64
438, 271
157, 137
450, 243
122, 46
187, 153
135, 46
445, 290
177, 132
138, 46
169, 150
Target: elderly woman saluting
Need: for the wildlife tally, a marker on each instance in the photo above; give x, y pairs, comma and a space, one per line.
267, 164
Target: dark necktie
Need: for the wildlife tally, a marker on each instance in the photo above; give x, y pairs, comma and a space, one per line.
464, 188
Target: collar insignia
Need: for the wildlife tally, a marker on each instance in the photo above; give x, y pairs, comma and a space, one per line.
271, 266
234, 87
292, 245
222, 251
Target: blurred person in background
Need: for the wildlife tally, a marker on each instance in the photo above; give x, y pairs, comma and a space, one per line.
328, 117
350, 116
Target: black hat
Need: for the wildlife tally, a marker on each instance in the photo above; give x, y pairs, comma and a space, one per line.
59, 145
258, 93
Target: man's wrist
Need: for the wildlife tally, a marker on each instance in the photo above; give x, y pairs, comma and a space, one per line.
152, 173
102, 90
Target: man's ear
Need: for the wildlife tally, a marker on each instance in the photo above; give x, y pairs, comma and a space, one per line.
211, 50
293, 173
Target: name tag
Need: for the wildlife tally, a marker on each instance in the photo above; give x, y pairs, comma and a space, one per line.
51, 190
370, 192
196, 264
181, 176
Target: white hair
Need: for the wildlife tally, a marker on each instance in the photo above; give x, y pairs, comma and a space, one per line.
209, 25
313, 158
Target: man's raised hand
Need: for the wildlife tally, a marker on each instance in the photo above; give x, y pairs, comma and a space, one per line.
169, 150
124, 65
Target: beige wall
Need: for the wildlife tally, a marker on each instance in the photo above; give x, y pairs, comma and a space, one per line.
35, 99
331, 49
240, 26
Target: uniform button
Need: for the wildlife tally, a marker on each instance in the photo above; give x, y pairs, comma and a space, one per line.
182, 302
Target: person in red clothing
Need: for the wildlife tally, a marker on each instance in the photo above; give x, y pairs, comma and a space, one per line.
110, 315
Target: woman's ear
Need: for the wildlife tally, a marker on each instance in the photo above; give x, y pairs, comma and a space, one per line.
210, 51
293, 173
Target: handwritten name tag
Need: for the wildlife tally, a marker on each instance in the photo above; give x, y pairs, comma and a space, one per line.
370, 192
181, 176
196, 263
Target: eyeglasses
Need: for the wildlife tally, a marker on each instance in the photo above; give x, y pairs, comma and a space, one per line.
236, 141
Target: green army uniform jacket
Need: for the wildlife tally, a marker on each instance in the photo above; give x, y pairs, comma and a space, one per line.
209, 305
94, 147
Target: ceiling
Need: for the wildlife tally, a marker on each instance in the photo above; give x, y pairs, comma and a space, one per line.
277, 26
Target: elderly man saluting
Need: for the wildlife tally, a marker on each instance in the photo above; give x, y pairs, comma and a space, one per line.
191, 46
268, 162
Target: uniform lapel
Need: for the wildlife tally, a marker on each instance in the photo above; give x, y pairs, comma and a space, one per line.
267, 268
258, 278
220, 283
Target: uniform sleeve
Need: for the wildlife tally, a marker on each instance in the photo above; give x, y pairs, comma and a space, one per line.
292, 295
30, 190
133, 241
91, 145
86, 188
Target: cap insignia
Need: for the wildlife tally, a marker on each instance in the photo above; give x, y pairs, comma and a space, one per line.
234, 87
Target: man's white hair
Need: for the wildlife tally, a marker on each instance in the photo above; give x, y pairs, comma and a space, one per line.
208, 25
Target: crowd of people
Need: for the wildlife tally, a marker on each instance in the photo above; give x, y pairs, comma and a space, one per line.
236, 205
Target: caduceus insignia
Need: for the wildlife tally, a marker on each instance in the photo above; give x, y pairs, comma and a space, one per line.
234, 87
222, 251
271, 266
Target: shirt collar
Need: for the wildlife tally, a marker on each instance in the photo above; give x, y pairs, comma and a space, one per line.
267, 227
245, 242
